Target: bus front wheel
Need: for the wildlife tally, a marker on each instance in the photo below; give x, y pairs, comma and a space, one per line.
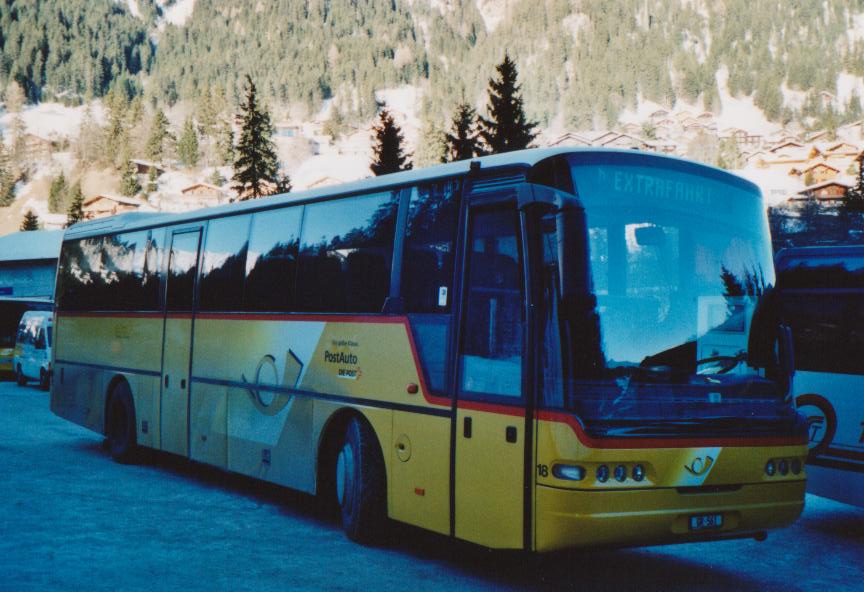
20, 379
360, 484
120, 425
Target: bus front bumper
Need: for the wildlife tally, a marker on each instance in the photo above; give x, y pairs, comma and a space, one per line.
570, 518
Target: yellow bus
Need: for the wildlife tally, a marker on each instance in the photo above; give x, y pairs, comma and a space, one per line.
538, 350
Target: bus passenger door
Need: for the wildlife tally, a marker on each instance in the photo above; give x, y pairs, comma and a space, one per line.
490, 416
177, 344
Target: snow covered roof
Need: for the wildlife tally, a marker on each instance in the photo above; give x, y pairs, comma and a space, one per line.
27, 246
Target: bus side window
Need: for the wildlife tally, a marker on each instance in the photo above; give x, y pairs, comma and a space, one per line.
346, 250
224, 264
492, 349
81, 278
427, 275
271, 264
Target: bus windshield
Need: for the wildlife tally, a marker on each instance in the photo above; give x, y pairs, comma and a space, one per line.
679, 257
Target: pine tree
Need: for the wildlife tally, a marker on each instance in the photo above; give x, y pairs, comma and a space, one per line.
256, 164
30, 222
129, 185
158, 135
464, 140
7, 178
225, 143
389, 155
57, 193
854, 198
117, 131
75, 212
507, 128
283, 184
152, 180
187, 145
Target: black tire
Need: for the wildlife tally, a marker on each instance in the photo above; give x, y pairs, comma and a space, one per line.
120, 425
44, 381
20, 379
361, 484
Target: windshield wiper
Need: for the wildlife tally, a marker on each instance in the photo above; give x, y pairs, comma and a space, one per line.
730, 361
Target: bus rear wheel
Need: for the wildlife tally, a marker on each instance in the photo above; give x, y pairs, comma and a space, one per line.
120, 425
44, 380
20, 379
360, 484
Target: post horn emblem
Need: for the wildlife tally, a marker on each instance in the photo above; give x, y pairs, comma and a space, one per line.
698, 466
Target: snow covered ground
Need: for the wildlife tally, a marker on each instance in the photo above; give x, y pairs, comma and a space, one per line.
71, 519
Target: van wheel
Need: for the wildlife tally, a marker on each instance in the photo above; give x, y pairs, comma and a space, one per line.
44, 381
120, 425
360, 484
20, 379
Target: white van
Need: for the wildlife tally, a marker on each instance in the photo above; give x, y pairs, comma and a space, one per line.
32, 359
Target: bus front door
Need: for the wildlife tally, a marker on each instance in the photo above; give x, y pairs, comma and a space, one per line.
489, 498
177, 345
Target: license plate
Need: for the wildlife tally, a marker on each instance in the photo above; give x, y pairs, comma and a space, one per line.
706, 522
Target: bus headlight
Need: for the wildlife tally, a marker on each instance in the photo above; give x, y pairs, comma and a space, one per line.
569, 472
770, 469
796, 466
620, 473
783, 466
638, 473
602, 473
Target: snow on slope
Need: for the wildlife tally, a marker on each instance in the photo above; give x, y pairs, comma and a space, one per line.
53, 120
178, 13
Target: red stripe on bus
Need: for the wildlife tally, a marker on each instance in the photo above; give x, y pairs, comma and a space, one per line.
492, 408
122, 315
841, 453
621, 443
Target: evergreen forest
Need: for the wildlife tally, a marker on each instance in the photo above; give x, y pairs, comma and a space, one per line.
583, 62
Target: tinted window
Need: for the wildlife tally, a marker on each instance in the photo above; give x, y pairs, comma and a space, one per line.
492, 349
224, 265
427, 276
827, 330
345, 254
271, 265
427, 269
81, 284
182, 269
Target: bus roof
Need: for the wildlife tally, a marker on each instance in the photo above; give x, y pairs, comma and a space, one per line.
509, 160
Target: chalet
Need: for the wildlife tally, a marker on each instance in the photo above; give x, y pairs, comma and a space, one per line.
103, 205
820, 172
820, 136
143, 167
632, 129
852, 131
659, 114
624, 141
666, 123
742, 137
604, 137
325, 181
828, 99
682, 115
827, 191
785, 146
757, 158
36, 148
705, 116
570, 139
840, 150
203, 190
